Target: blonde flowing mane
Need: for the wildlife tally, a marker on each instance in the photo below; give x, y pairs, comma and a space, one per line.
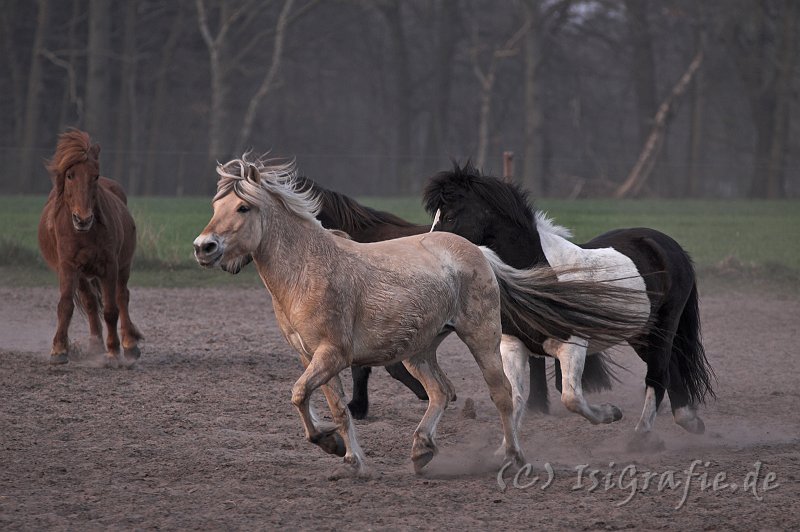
275, 179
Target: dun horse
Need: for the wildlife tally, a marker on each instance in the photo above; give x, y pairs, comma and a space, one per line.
87, 235
341, 303
488, 211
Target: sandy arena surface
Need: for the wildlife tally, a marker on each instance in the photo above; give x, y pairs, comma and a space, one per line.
201, 434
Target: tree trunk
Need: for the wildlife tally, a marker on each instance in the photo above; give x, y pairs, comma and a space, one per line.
269, 78
644, 165
643, 68
98, 92
159, 111
783, 101
125, 138
439, 107
14, 70
70, 90
533, 157
696, 131
403, 96
30, 129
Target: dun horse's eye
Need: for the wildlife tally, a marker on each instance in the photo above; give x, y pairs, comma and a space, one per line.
243, 208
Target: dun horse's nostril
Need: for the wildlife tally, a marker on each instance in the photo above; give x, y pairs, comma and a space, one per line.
209, 247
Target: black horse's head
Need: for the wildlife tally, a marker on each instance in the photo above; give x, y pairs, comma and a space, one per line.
477, 207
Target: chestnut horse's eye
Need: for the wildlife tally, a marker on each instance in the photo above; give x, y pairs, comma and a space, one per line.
96, 177
243, 208
70, 175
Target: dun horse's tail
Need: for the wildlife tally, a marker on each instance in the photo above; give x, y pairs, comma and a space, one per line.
688, 356
594, 310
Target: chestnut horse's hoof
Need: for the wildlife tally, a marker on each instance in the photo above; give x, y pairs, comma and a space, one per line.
58, 359
131, 354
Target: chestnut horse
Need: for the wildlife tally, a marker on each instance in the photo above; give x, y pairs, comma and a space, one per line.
87, 235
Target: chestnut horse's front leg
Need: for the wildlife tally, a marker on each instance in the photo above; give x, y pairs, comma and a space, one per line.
108, 285
322, 370
66, 305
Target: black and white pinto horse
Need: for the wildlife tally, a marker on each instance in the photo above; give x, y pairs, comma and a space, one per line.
493, 213
364, 224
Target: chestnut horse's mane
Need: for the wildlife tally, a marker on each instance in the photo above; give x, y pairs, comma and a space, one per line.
74, 146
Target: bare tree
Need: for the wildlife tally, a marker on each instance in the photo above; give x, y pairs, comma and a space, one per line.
486, 75
98, 82
33, 103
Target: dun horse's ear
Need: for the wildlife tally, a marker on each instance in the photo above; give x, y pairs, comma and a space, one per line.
95, 150
252, 174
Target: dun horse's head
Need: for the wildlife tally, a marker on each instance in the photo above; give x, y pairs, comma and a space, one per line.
236, 228
75, 169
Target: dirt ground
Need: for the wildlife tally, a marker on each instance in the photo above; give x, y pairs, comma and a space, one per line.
201, 434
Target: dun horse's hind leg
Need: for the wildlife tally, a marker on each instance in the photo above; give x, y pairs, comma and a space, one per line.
572, 354
66, 306
91, 306
322, 368
425, 368
484, 344
130, 334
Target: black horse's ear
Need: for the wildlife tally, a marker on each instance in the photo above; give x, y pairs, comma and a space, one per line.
252, 174
94, 151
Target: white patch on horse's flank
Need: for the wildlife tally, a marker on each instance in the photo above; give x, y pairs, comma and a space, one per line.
545, 224
604, 264
649, 411
435, 220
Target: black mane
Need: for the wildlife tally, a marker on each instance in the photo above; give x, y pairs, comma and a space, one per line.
345, 213
507, 199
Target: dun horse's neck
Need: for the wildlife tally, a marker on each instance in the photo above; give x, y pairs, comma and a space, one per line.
291, 246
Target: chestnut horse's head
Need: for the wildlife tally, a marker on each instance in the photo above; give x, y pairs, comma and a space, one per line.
75, 170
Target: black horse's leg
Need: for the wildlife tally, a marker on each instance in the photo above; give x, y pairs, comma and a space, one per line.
557, 367
537, 398
359, 405
399, 372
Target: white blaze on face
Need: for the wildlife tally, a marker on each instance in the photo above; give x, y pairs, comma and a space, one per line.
435, 220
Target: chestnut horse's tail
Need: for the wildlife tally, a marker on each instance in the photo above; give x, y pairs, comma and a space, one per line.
94, 293
535, 299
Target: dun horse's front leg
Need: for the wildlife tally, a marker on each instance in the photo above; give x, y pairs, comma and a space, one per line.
322, 370
66, 306
426, 370
572, 355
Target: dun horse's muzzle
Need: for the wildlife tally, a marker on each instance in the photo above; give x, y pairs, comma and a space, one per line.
207, 250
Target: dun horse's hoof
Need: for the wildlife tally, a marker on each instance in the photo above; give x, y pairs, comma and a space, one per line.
331, 443
58, 359
422, 459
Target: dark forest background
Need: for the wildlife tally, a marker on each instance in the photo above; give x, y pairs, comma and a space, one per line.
372, 97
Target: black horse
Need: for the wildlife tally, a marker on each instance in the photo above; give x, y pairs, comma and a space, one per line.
364, 224
493, 213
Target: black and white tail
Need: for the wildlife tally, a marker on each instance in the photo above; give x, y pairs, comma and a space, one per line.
598, 311
688, 354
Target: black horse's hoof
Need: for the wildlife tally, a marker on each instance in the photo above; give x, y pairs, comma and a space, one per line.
358, 409
59, 359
